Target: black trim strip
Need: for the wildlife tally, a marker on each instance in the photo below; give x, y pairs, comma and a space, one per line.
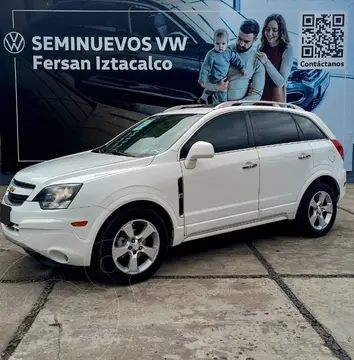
180, 197
23, 184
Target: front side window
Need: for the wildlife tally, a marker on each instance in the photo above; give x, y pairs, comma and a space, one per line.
151, 136
226, 132
273, 128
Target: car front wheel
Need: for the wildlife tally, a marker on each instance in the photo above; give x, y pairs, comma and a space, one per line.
132, 246
318, 210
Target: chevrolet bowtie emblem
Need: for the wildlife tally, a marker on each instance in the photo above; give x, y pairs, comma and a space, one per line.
12, 189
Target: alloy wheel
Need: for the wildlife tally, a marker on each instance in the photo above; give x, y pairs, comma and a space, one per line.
135, 246
320, 210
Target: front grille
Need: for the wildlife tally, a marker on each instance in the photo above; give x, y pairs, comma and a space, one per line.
16, 199
13, 198
23, 184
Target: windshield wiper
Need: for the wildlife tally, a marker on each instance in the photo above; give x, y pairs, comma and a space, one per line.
116, 152
113, 152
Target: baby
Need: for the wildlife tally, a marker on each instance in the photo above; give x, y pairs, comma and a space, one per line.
216, 66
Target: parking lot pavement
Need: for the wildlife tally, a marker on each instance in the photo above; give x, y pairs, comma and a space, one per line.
347, 202
331, 302
171, 319
218, 256
330, 255
18, 267
249, 295
17, 301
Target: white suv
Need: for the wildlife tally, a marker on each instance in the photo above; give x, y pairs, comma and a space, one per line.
186, 173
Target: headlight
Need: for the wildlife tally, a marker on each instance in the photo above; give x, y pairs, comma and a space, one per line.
57, 196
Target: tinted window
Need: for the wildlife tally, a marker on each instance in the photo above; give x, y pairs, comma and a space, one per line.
309, 129
272, 128
226, 132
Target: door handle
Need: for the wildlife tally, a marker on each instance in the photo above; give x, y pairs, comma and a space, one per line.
249, 165
304, 156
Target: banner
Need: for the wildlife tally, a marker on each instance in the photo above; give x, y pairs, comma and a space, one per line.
77, 73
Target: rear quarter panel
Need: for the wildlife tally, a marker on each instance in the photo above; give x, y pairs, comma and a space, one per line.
327, 162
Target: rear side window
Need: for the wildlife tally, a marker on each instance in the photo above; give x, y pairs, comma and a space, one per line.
272, 128
309, 128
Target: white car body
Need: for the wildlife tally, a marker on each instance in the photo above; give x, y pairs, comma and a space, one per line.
214, 196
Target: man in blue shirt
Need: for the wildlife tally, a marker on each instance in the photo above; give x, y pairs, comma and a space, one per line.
249, 86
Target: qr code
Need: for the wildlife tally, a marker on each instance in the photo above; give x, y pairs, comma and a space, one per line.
323, 40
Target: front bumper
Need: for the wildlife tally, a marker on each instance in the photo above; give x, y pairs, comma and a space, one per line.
50, 233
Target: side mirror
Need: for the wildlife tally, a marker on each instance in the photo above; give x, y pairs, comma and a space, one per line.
199, 150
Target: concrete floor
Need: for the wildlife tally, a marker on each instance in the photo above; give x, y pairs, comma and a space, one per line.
251, 295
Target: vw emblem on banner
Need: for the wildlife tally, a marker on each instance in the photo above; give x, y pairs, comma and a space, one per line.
14, 42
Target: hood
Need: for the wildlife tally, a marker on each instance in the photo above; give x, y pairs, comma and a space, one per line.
81, 167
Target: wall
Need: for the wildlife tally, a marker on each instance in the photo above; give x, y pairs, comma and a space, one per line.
57, 112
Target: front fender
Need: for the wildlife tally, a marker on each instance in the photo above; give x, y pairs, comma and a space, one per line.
143, 193
131, 194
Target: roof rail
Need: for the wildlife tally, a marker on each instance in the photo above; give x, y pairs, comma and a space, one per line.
178, 107
257, 102
236, 103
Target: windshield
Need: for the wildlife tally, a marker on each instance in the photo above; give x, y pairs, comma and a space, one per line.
210, 16
151, 136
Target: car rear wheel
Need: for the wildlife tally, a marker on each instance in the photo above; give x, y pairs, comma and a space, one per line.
317, 211
132, 246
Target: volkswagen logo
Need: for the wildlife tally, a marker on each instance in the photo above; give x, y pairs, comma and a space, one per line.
14, 42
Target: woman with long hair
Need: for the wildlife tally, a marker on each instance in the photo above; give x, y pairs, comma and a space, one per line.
277, 55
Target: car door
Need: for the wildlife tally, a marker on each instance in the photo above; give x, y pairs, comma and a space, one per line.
286, 160
222, 191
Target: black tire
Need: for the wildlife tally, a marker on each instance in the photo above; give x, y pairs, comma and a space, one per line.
102, 252
302, 220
